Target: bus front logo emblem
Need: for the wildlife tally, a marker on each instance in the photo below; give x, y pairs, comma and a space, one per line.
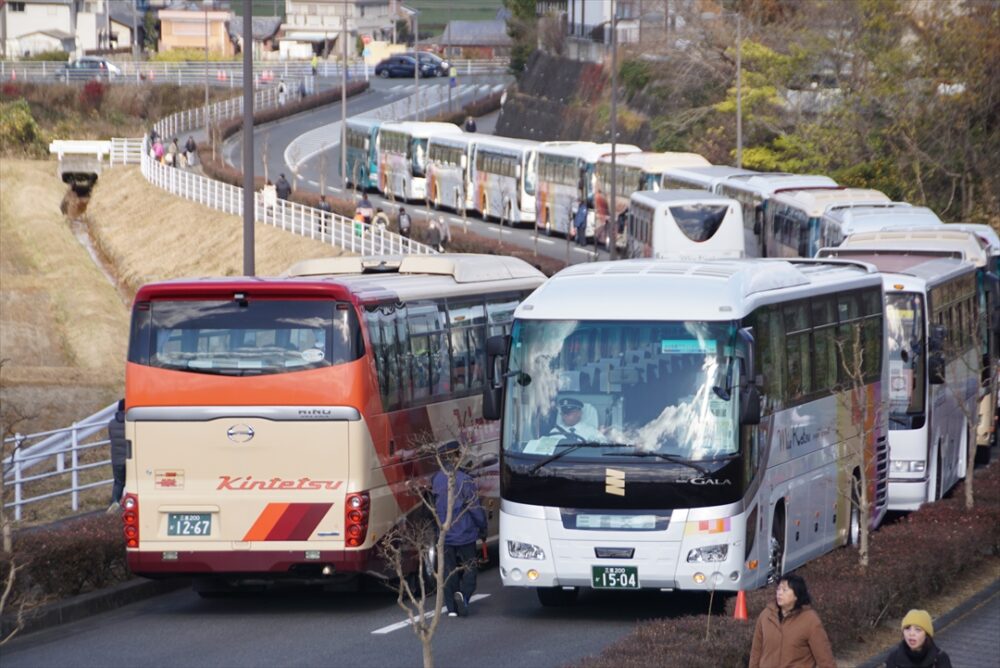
240, 433
615, 482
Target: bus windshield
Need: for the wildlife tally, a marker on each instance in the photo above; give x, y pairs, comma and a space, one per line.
904, 323
528, 172
699, 222
419, 152
615, 390
252, 337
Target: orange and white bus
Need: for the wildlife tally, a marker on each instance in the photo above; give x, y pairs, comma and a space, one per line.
275, 422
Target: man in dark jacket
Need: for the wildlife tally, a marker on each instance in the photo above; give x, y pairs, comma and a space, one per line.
119, 452
468, 522
580, 223
283, 187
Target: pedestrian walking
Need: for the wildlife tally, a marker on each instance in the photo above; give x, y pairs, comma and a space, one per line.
580, 223
434, 236
404, 223
119, 452
380, 220
470, 124
365, 208
302, 89
789, 633
172, 151
917, 648
282, 92
269, 196
445, 232
158, 150
191, 151
468, 523
283, 187
315, 64
323, 206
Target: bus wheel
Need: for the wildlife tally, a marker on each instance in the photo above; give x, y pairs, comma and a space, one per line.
556, 597
854, 528
776, 546
982, 455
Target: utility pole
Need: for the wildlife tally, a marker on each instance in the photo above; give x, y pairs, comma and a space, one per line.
248, 192
612, 210
447, 41
416, 65
343, 102
208, 125
739, 90
392, 15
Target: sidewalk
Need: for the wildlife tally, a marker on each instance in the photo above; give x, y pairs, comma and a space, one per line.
970, 633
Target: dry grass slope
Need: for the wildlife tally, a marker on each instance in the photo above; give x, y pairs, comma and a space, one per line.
64, 326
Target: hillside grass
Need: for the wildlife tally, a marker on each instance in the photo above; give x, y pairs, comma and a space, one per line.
65, 325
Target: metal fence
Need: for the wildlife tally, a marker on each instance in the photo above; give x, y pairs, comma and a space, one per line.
224, 73
59, 452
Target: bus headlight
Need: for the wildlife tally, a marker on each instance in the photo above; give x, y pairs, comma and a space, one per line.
519, 550
708, 553
908, 466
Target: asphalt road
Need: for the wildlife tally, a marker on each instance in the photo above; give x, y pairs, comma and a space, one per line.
507, 627
273, 138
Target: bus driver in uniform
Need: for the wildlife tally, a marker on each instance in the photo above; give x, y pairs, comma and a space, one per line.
577, 422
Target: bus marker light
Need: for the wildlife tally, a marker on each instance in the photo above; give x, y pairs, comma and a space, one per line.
532, 574
170, 556
327, 570
734, 576
752, 564
897, 286
515, 573
312, 554
699, 578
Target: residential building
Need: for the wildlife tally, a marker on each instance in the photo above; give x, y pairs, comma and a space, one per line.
74, 26
474, 39
314, 26
186, 29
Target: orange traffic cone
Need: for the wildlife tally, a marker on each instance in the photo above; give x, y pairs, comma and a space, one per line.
741, 606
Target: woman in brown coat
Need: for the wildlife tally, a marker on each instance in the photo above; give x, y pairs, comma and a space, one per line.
789, 633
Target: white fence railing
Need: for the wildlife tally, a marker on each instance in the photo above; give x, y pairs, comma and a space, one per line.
126, 151
226, 73
32, 451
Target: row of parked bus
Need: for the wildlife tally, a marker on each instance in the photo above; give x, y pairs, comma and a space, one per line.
709, 425
664, 204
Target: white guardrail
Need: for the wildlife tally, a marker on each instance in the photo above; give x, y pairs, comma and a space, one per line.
224, 73
32, 451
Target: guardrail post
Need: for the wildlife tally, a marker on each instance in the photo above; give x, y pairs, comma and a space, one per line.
75, 472
15, 458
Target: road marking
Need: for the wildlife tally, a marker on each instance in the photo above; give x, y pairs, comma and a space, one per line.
312, 183
580, 249
332, 189
406, 622
546, 241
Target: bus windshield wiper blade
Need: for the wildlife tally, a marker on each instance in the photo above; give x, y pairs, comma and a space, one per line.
576, 446
677, 459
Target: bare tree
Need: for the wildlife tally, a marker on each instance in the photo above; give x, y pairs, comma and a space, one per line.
5, 599
416, 548
12, 414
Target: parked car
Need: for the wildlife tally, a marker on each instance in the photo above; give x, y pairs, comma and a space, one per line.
403, 66
426, 58
86, 68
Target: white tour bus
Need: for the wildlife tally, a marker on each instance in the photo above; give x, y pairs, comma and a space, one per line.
684, 225
972, 246
700, 178
703, 442
633, 172
449, 181
504, 178
932, 345
792, 225
565, 178
754, 193
840, 222
402, 151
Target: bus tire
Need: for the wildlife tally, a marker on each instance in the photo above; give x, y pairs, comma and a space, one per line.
556, 597
854, 527
776, 546
983, 454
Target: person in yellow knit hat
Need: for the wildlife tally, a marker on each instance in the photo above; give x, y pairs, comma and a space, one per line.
917, 649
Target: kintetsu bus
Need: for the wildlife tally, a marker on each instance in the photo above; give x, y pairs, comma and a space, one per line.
634, 172
684, 225
931, 311
711, 440
449, 159
362, 152
276, 422
565, 178
402, 157
504, 178
968, 245
793, 223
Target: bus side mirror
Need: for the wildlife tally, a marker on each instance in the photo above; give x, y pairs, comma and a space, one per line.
750, 404
517, 171
463, 161
935, 368
937, 336
496, 352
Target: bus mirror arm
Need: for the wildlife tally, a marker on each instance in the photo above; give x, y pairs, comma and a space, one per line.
750, 383
496, 350
935, 368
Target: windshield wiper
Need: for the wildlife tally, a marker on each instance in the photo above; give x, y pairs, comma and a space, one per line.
677, 459
576, 446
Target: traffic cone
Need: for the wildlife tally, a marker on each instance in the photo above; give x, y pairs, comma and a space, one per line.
13, 75
741, 606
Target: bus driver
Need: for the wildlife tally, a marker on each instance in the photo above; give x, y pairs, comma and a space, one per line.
572, 423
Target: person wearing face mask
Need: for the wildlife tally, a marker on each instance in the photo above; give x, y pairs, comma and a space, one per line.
917, 648
789, 633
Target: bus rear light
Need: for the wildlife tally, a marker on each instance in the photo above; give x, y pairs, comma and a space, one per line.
130, 520
356, 518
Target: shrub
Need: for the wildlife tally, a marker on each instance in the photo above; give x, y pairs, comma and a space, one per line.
56, 55
19, 132
92, 95
476, 108
191, 54
634, 75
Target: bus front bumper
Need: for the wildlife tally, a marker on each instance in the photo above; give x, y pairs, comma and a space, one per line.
907, 495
